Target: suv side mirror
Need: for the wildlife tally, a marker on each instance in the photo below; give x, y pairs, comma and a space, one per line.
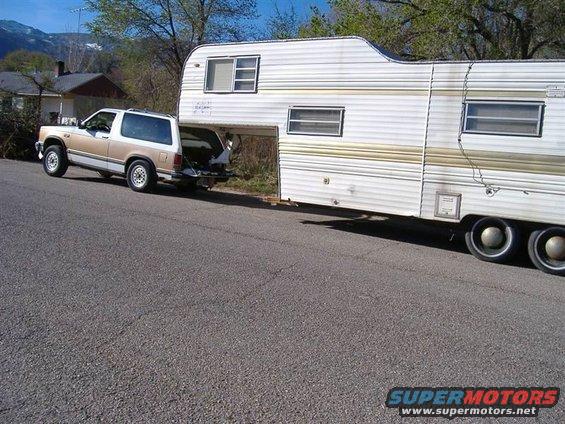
81, 125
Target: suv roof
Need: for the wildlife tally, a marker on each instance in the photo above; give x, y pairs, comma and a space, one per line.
149, 112
142, 111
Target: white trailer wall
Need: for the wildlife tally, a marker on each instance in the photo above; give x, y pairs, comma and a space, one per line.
378, 163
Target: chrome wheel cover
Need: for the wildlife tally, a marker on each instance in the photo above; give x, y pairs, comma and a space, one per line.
139, 176
555, 248
52, 161
546, 252
491, 238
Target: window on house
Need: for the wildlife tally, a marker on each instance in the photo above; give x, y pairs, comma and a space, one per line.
315, 121
229, 75
148, 128
18, 103
504, 118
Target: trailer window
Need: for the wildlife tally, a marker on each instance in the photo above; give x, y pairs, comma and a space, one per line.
232, 75
315, 121
504, 118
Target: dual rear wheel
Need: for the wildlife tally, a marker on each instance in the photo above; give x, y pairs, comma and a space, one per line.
498, 240
546, 249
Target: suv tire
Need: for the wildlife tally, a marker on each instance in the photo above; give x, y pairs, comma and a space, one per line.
140, 176
55, 162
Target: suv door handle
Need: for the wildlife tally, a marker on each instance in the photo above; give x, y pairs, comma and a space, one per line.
105, 136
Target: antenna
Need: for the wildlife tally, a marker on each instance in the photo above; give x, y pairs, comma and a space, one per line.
75, 55
79, 11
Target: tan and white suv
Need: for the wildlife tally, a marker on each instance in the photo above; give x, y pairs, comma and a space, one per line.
142, 146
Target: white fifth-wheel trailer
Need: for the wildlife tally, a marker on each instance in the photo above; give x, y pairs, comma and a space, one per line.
480, 144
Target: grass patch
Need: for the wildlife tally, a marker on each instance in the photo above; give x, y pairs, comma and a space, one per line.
264, 184
255, 163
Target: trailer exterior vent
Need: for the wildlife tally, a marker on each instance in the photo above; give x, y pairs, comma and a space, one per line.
232, 75
504, 118
326, 121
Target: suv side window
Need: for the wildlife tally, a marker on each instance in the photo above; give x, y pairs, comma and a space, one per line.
148, 128
101, 122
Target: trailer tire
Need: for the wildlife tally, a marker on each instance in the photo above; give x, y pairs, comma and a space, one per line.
493, 239
546, 249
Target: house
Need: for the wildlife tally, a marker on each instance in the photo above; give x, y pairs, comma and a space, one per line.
70, 96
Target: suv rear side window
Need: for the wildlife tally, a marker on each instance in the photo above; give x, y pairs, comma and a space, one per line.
147, 128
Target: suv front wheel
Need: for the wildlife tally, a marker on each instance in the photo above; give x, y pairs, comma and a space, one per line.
55, 162
141, 176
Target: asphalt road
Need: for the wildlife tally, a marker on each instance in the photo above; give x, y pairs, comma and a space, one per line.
119, 306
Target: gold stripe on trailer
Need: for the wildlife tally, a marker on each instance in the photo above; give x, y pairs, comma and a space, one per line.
366, 151
535, 94
485, 160
497, 161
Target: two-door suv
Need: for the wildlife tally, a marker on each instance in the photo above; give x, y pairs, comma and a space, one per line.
142, 146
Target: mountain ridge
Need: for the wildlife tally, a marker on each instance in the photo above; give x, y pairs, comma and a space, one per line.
15, 36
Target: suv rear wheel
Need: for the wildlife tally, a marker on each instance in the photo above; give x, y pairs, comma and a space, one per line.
141, 176
55, 162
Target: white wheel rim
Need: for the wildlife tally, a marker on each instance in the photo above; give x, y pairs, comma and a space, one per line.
139, 176
52, 161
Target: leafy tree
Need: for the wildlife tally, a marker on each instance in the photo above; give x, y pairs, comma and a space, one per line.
18, 128
171, 28
283, 24
146, 81
27, 61
473, 29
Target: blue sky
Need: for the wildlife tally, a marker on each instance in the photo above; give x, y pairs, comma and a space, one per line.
56, 16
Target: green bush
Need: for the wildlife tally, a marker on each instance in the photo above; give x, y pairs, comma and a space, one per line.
18, 133
255, 163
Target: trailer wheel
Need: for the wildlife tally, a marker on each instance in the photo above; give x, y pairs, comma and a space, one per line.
493, 239
546, 249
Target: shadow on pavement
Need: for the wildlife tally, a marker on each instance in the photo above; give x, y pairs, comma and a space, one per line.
414, 231
227, 198
407, 230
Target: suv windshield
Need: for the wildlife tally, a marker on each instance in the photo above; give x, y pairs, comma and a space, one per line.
100, 122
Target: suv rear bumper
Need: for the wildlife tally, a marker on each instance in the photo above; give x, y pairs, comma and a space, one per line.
177, 176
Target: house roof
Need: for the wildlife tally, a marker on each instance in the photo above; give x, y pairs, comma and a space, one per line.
17, 83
